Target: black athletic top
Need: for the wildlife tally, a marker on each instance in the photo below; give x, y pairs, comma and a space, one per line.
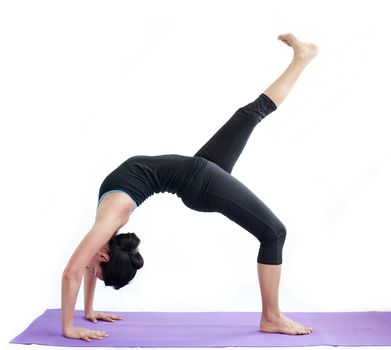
142, 176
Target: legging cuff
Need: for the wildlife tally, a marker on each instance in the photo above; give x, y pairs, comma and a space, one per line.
260, 107
269, 262
272, 106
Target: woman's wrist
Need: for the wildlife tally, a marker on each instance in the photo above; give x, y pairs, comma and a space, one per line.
66, 328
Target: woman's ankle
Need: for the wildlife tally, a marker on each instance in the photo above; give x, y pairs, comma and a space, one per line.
270, 315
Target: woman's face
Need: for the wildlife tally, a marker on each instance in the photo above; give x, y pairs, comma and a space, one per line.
94, 265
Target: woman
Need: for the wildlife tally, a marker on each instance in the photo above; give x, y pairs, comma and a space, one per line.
204, 183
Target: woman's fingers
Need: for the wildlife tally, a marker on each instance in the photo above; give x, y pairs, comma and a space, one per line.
84, 333
115, 317
94, 335
109, 318
101, 333
93, 319
106, 318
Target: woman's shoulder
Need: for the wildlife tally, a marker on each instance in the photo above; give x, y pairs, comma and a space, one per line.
116, 204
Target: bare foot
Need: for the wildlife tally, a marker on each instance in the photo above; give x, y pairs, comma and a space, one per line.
282, 324
300, 49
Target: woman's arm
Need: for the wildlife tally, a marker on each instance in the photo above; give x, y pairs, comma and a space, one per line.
100, 233
89, 290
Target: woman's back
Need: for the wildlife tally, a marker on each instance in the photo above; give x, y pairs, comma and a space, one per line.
141, 176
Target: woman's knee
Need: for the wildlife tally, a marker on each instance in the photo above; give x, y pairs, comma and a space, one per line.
270, 250
281, 233
276, 234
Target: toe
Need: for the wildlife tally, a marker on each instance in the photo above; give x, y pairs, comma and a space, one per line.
303, 331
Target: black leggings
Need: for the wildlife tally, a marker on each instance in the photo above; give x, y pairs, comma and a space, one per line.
216, 190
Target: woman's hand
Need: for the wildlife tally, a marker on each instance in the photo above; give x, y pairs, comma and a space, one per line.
95, 316
84, 333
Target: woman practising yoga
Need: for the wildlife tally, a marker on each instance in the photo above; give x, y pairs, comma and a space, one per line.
204, 183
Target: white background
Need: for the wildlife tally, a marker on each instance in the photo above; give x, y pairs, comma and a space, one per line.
86, 84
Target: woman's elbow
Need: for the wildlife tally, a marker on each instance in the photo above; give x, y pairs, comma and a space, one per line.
70, 274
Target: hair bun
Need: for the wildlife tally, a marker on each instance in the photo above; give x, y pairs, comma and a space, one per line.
129, 243
136, 259
134, 241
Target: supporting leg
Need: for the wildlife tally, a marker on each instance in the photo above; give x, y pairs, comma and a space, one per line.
273, 321
269, 282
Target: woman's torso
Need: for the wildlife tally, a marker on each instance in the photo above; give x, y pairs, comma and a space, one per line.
141, 176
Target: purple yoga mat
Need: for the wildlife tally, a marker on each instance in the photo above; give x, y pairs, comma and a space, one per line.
214, 329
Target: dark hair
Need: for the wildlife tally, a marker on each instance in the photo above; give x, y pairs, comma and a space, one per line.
124, 261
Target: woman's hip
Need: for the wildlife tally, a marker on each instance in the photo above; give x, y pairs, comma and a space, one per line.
215, 190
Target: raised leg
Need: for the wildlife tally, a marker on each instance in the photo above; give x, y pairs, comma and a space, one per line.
303, 53
226, 145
